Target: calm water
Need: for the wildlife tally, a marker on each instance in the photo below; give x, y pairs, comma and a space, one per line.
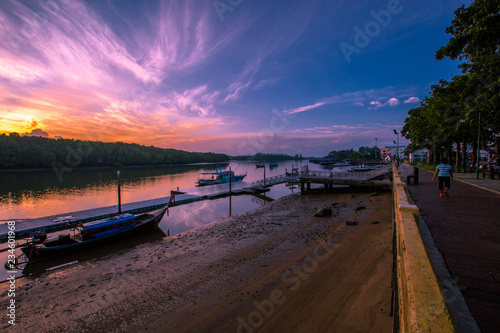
40, 193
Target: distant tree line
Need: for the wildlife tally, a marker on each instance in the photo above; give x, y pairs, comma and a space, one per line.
464, 111
37, 152
363, 154
267, 157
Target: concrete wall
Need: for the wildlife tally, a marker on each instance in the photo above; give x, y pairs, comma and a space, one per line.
421, 305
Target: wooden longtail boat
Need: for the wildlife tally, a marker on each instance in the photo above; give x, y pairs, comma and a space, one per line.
90, 234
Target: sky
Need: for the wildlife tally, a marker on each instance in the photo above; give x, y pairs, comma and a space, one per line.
226, 76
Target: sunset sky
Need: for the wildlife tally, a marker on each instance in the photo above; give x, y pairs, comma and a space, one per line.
230, 76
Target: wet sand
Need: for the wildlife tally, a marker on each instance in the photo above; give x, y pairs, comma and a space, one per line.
274, 269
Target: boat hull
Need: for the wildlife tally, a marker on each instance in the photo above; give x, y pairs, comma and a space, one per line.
205, 182
40, 251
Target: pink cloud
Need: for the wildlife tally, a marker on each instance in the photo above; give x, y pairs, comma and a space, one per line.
375, 105
412, 100
392, 102
304, 108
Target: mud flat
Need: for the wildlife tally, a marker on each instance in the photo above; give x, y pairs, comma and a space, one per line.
274, 269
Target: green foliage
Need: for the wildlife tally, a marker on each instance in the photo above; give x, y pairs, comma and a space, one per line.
363, 154
476, 36
37, 152
451, 113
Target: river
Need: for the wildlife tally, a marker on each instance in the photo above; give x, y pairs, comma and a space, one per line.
32, 194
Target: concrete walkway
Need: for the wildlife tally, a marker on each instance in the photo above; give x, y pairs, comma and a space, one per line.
466, 229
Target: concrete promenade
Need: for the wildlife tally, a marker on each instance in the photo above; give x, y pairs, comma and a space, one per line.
466, 229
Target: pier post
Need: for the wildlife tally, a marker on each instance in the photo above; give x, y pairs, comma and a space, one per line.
119, 198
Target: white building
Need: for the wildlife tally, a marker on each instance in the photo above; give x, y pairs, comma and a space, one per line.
390, 152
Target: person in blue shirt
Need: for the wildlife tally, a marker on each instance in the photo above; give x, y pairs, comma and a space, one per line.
444, 171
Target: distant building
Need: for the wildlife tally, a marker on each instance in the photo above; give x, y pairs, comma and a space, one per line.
388, 153
420, 155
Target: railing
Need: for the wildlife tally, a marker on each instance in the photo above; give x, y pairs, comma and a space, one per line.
314, 174
275, 180
352, 175
421, 302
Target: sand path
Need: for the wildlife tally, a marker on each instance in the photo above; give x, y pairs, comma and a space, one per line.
274, 269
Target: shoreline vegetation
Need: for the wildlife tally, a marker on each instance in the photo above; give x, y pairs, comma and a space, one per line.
23, 153
242, 273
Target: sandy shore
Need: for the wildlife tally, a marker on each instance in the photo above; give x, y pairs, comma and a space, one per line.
274, 269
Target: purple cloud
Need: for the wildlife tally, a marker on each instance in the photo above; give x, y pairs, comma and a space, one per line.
412, 100
36, 132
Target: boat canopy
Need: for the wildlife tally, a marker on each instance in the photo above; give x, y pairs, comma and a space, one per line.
220, 171
124, 218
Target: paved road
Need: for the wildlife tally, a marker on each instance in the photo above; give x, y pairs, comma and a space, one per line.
466, 229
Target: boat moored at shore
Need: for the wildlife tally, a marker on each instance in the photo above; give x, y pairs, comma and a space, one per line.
41, 245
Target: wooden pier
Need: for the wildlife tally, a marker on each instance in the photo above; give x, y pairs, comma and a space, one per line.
70, 220
268, 182
25, 228
380, 177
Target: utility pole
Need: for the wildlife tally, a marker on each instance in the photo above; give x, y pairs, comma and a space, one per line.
478, 149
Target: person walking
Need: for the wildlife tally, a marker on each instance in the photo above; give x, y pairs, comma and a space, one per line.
444, 171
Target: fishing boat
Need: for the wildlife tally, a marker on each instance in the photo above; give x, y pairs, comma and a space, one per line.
219, 176
258, 165
273, 165
88, 235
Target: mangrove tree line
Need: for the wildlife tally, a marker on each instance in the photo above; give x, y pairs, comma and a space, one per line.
37, 152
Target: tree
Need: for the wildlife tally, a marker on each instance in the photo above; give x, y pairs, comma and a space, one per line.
475, 40
450, 114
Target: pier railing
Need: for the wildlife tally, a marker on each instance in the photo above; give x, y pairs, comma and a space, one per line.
347, 175
317, 174
275, 180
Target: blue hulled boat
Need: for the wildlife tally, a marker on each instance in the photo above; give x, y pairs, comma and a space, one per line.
90, 234
219, 176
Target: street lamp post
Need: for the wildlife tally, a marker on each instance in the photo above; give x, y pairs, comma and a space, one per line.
478, 149
397, 146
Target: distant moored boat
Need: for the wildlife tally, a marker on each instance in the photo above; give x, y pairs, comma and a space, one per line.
219, 176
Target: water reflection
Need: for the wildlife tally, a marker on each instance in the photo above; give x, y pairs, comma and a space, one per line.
39, 193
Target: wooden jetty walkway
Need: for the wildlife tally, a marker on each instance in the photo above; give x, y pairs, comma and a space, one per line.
380, 177
268, 182
57, 222
25, 228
